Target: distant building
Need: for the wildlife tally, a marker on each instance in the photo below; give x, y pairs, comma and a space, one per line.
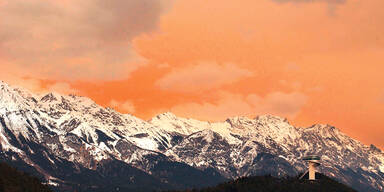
313, 163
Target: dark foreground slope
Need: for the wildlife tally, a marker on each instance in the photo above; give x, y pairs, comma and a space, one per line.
272, 184
12, 180
114, 175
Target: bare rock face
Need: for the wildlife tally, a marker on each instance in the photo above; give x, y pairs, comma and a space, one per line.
66, 138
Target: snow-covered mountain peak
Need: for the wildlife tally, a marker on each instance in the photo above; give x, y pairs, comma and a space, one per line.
322, 126
166, 116
374, 149
81, 100
64, 103
271, 119
324, 129
5, 88
50, 97
8, 89
14, 98
171, 123
239, 120
2, 83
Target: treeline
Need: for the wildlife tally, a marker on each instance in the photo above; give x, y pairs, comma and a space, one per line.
12, 180
272, 184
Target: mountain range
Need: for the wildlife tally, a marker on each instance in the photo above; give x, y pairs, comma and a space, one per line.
74, 144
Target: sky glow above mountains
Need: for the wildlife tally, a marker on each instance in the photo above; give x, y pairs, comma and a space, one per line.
310, 61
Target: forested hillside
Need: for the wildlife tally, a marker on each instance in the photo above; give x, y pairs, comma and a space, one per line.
272, 184
12, 180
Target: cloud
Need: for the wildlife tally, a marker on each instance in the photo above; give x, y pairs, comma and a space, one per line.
89, 39
202, 76
312, 1
292, 85
279, 103
381, 97
332, 4
36, 86
125, 106
229, 104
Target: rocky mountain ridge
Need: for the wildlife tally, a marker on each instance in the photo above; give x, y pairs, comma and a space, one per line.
44, 132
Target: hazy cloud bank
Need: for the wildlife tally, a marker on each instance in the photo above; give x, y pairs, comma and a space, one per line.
89, 39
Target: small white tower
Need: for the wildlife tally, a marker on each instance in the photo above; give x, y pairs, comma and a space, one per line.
313, 163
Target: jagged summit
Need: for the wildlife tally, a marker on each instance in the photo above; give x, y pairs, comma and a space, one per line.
50, 97
238, 119
14, 98
325, 130
271, 118
322, 127
167, 115
373, 148
5, 88
3, 83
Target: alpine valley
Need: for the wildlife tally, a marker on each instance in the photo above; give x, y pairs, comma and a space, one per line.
73, 144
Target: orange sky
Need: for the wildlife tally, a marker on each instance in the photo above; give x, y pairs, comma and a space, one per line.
311, 61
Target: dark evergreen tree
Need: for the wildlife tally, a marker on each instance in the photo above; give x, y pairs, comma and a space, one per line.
12, 180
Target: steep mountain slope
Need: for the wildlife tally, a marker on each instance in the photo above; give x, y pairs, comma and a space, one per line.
270, 145
65, 138
76, 144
